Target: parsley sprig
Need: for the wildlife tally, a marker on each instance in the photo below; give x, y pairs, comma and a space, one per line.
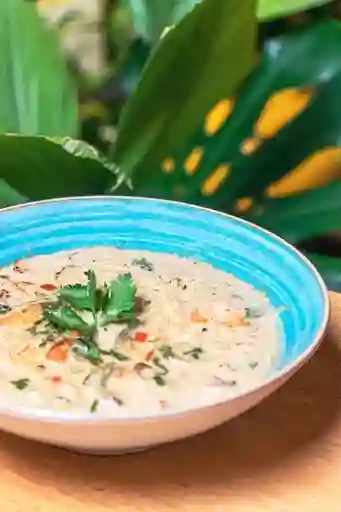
86, 307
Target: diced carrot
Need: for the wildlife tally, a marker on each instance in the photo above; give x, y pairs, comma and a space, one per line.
48, 287
56, 379
140, 336
58, 352
197, 318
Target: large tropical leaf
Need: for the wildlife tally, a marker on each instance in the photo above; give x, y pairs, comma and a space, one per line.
302, 216
34, 168
37, 95
286, 112
150, 17
183, 79
270, 9
330, 268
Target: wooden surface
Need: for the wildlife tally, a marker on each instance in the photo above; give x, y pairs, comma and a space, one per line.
283, 456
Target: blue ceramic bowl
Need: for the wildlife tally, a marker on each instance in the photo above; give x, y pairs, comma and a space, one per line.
228, 243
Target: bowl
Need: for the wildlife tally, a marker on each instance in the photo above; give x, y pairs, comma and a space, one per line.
228, 243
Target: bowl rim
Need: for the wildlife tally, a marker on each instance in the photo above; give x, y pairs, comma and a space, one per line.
55, 417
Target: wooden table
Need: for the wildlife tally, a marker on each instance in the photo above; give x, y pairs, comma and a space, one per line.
283, 456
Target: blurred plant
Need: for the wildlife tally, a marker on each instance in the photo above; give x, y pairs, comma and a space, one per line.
193, 129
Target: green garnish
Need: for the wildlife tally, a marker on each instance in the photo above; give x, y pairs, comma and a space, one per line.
21, 383
85, 308
94, 406
159, 365
87, 349
195, 353
67, 318
119, 356
119, 300
160, 381
144, 264
166, 351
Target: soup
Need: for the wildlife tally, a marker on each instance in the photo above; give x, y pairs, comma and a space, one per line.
125, 333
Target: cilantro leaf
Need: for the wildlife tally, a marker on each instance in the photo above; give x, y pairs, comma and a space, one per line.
66, 318
81, 296
119, 300
88, 350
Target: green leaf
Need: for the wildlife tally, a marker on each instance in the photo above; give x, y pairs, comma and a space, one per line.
270, 9
303, 216
119, 300
66, 318
20, 384
81, 296
9, 196
36, 90
56, 168
150, 18
330, 269
94, 406
305, 63
183, 79
88, 350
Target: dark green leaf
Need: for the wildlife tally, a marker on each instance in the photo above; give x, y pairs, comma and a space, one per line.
144, 264
119, 356
66, 318
304, 61
270, 9
88, 350
185, 76
56, 168
81, 296
21, 383
150, 18
160, 366
195, 353
166, 351
9, 196
119, 300
36, 89
94, 406
300, 217
330, 269
160, 381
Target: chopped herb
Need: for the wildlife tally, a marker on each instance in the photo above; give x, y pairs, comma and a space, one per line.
81, 296
166, 351
160, 381
119, 300
161, 367
144, 264
253, 365
88, 350
118, 355
195, 352
66, 318
94, 406
20, 384
4, 309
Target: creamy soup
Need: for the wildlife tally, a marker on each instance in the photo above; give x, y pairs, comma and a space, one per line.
123, 333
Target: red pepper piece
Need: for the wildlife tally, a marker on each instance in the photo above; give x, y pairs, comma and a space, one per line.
48, 287
140, 336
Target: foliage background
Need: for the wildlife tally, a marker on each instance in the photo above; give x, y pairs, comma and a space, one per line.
288, 159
